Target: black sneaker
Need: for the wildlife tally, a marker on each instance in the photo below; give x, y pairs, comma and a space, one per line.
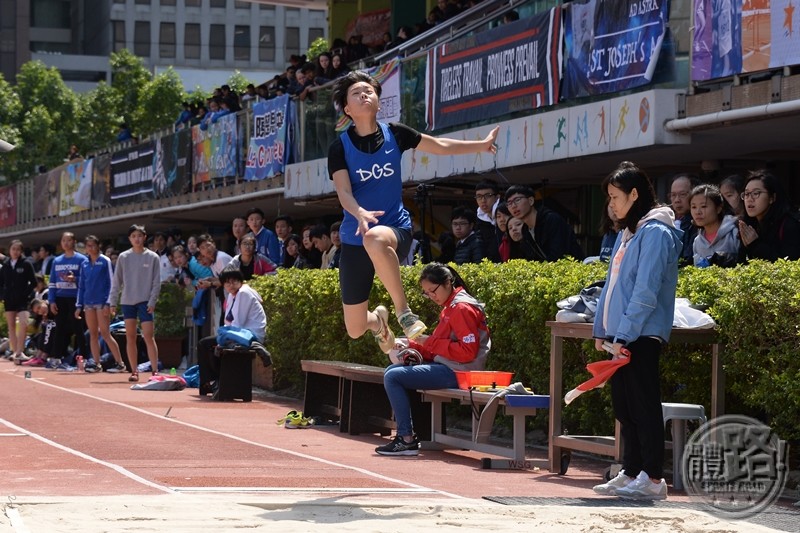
117, 369
398, 446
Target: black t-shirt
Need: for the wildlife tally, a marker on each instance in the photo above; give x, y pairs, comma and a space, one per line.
406, 137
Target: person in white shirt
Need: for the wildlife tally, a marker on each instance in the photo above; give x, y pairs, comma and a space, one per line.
243, 309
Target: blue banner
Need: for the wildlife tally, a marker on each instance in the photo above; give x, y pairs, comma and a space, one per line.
268, 152
612, 45
224, 146
513, 67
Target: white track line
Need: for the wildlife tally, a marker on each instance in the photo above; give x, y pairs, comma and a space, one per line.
347, 490
82, 455
246, 441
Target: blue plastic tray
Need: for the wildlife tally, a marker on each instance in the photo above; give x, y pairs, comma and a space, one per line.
538, 401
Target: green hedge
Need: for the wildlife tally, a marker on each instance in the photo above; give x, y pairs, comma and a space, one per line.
756, 307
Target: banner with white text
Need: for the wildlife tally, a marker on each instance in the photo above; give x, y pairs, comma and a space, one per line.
514, 67
612, 45
132, 174
268, 150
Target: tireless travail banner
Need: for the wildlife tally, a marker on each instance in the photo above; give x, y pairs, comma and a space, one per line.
513, 67
612, 45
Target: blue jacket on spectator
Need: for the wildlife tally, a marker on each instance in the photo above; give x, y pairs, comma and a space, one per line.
645, 308
60, 286
94, 284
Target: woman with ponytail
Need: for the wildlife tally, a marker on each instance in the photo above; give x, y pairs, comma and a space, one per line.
460, 341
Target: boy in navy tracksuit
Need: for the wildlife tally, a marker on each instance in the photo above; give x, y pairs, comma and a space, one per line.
62, 296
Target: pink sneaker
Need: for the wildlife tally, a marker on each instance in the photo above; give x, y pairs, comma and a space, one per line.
36, 361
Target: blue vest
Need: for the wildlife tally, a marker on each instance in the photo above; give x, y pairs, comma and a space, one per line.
377, 185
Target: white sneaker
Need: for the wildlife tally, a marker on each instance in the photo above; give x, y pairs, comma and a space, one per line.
642, 488
610, 487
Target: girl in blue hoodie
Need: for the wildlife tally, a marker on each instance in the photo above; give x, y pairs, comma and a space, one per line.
635, 311
94, 289
717, 241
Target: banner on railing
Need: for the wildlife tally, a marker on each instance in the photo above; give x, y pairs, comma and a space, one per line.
172, 164
215, 150
101, 181
269, 143
132, 173
514, 67
612, 45
46, 194
76, 187
731, 39
370, 27
8, 206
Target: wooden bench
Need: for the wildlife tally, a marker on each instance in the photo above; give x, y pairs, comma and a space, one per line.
524, 406
354, 394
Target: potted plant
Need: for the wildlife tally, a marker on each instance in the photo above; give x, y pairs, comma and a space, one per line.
170, 323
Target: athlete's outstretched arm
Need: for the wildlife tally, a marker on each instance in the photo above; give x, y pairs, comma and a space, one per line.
445, 146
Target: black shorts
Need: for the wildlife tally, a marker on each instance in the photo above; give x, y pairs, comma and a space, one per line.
16, 306
356, 271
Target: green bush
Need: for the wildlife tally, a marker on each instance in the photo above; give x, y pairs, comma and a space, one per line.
756, 307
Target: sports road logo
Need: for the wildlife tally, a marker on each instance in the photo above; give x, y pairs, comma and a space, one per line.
735, 465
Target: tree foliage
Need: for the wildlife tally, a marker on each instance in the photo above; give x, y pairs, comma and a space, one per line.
238, 82
128, 78
99, 118
10, 109
48, 120
159, 102
319, 45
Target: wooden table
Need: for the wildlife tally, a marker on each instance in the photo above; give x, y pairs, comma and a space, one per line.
612, 445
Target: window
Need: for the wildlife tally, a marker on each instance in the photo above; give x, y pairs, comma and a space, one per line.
142, 2
266, 7
166, 40
241, 43
192, 3
219, 3
191, 41
314, 34
141, 38
266, 43
292, 41
216, 42
50, 14
118, 28
167, 2
238, 4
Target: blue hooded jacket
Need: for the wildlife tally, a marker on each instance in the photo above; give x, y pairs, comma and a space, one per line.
639, 299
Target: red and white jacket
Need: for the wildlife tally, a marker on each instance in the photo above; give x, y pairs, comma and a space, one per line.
461, 339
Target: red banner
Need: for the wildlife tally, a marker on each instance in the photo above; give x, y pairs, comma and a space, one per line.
8, 206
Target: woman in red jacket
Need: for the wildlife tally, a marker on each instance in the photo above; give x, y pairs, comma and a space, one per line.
460, 341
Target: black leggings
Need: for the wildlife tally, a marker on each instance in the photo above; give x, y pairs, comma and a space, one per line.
636, 397
67, 326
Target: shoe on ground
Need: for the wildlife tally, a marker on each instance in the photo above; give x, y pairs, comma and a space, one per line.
53, 363
384, 335
642, 488
92, 369
66, 367
116, 369
21, 358
296, 420
610, 487
412, 326
36, 361
399, 446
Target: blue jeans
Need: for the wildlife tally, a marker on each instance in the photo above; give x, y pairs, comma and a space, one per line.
398, 379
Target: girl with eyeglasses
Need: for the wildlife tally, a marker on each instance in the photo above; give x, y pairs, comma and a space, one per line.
770, 227
461, 341
717, 241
